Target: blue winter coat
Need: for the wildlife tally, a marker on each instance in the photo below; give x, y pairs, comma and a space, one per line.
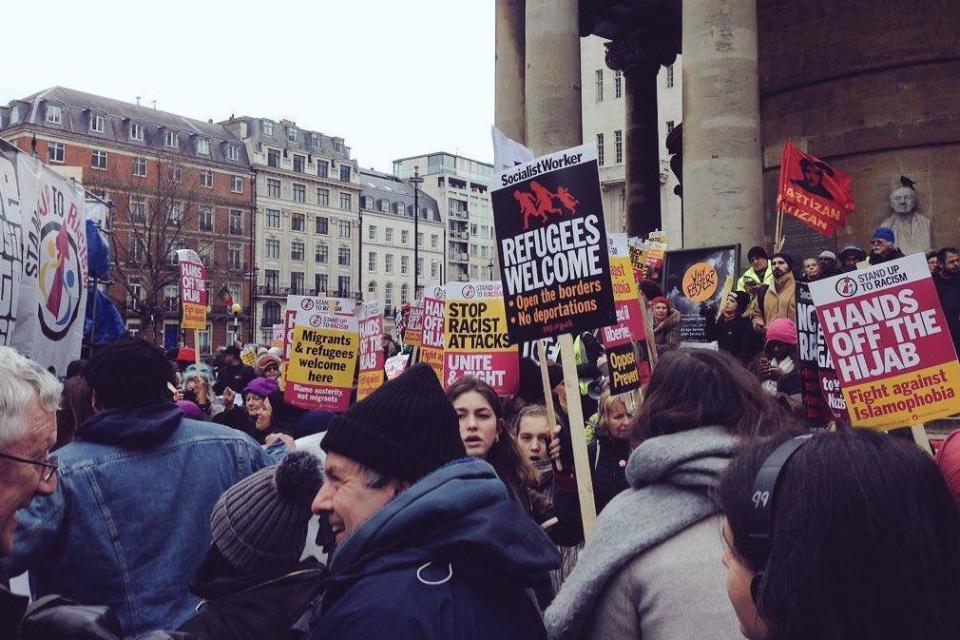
450, 558
128, 524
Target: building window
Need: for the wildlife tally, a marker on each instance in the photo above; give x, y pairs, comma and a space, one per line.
299, 163
343, 256
382, 205
599, 85
372, 232
388, 263
138, 208
420, 239
618, 146
273, 218
292, 134
206, 178
346, 201
273, 188
98, 159
273, 248
56, 151
433, 241
271, 312
236, 222
273, 158
617, 84
203, 146
171, 139
296, 250
419, 267
97, 124
434, 268
345, 173
136, 131
668, 76
233, 152
600, 149
670, 126
321, 225
372, 287
54, 114
320, 283
296, 283
272, 279
323, 197
176, 173
323, 168
404, 265
344, 229
343, 286
237, 184
176, 213
297, 221
320, 253
267, 128
233, 257
205, 216
372, 262
299, 192
388, 234
388, 294
404, 236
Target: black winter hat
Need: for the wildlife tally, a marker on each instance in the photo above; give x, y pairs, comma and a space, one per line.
786, 258
405, 429
757, 252
260, 523
743, 299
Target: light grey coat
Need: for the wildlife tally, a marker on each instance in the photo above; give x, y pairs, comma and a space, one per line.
651, 568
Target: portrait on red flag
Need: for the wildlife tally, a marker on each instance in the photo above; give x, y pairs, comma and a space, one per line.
813, 191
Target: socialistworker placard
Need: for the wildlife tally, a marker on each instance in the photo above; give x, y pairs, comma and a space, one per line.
431, 346
889, 342
552, 246
371, 349
476, 341
822, 398
193, 290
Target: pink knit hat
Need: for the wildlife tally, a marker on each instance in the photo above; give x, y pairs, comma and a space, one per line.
949, 460
782, 330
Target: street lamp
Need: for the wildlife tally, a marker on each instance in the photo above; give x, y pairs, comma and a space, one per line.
416, 181
236, 309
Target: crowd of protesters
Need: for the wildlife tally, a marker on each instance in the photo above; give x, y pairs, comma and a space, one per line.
152, 495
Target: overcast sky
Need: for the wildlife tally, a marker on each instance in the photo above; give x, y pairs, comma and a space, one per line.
393, 78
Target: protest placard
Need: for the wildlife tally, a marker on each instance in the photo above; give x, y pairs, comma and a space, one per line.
697, 276
322, 361
822, 399
371, 349
396, 365
193, 290
413, 329
276, 336
552, 246
626, 371
813, 192
889, 342
476, 339
289, 316
431, 347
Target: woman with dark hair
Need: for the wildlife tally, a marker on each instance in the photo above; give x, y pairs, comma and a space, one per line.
650, 568
859, 540
75, 407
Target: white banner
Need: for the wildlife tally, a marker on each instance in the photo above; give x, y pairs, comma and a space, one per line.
53, 293
508, 153
11, 249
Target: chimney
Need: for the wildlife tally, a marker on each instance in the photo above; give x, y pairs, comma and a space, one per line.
138, 101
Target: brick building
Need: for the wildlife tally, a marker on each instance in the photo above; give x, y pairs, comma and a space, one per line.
174, 182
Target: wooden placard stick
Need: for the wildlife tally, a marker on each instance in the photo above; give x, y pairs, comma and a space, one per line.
547, 393
581, 461
648, 331
920, 437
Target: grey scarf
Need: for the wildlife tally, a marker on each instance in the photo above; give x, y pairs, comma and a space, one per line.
671, 478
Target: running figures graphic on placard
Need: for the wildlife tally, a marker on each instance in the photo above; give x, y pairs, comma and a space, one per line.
540, 203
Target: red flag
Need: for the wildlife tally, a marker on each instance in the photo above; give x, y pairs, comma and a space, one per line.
813, 191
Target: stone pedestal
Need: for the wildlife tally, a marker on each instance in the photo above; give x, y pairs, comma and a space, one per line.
722, 189
509, 69
552, 75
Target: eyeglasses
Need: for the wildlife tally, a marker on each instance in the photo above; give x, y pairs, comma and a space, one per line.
49, 466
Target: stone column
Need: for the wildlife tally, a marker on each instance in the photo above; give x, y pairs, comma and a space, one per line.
639, 56
722, 164
553, 110
509, 69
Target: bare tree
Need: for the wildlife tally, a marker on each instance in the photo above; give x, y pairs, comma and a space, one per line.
169, 210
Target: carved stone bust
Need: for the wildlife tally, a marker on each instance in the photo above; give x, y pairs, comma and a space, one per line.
911, 228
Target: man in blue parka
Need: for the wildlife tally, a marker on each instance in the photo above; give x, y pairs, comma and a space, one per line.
430, 544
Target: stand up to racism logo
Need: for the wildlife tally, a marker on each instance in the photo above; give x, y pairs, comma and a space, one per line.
61, 268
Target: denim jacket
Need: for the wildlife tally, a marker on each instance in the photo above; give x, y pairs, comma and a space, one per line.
128, 524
